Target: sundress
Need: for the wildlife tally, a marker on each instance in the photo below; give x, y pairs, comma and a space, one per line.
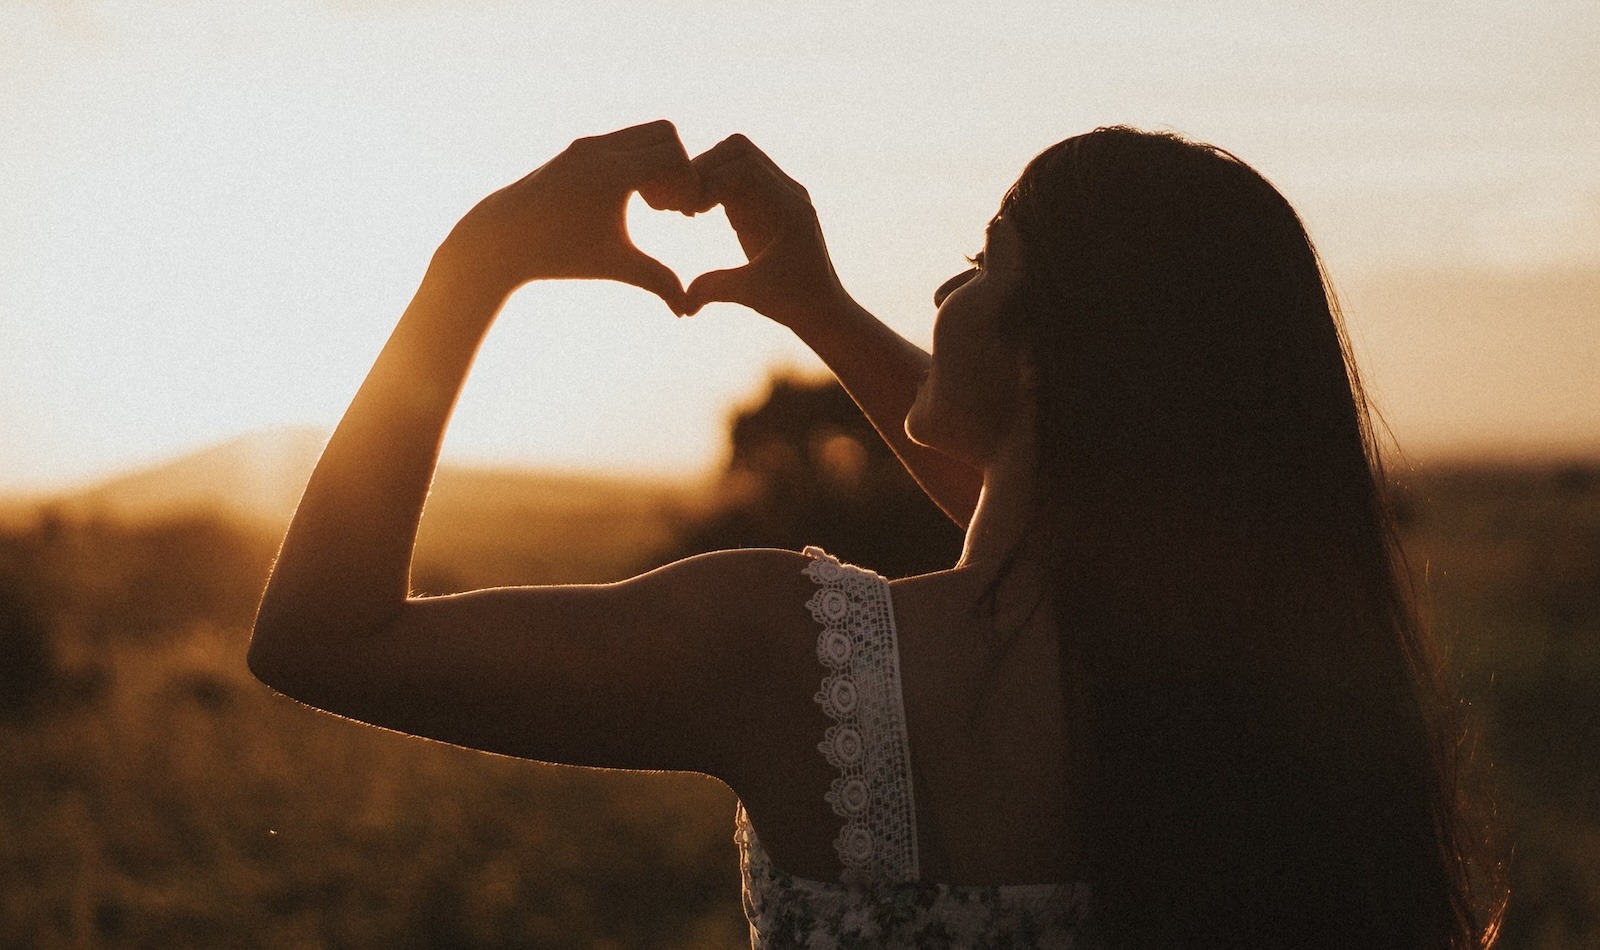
880, 899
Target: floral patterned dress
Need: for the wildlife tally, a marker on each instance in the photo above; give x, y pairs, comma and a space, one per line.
880, 900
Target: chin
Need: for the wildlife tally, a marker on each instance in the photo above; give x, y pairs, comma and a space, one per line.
949, 433
931, 436
916, 422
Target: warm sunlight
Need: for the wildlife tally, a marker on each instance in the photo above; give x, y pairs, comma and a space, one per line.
1125, 620
214, 214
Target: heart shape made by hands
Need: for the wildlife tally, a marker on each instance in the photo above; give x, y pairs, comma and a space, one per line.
689, 246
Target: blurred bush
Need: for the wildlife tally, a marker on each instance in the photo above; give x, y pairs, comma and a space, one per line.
806, 467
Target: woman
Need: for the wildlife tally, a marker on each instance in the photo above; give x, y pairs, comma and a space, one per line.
1172, 693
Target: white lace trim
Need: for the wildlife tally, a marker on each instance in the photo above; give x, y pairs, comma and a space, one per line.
867, 742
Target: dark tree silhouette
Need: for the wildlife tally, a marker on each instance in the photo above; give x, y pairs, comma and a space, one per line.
805, 467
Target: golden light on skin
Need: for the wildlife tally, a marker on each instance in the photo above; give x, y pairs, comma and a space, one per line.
212, 215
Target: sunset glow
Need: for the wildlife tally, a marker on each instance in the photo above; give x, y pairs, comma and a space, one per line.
211, 215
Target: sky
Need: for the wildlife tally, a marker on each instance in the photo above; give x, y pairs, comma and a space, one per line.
212, 214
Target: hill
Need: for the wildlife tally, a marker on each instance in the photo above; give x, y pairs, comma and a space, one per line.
482, 526
255, 478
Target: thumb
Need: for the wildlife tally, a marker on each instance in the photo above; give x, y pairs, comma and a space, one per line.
643, 271
718, 285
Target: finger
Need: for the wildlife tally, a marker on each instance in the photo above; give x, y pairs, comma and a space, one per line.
648, 158
737, 149
753, 153
641, 270
726, 169
759, 207
726, 150
745, 175
663, 176
732, 179
719, 285
745, 188
638, 136
726, 172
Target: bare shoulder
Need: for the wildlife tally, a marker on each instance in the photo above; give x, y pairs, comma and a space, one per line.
953, 625
745, 607
749, 564
934, 593
745, 585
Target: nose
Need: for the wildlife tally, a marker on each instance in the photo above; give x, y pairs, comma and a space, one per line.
950, 286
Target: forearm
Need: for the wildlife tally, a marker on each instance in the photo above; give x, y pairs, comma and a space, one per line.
790, 279
344, 566
882, 372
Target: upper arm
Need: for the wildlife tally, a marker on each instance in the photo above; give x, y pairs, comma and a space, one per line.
655, 672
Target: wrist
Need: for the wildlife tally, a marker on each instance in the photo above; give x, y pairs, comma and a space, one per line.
825, 315
467, 277
454, 303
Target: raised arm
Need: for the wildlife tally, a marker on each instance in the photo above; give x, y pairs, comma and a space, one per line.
611, 674
790, 279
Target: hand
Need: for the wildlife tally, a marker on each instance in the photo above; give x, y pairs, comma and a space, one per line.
789, 271
568, 218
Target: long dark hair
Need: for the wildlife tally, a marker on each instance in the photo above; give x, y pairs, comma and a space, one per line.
1268, 753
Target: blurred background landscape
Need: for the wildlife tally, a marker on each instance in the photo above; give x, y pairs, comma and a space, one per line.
155, 795
211, 215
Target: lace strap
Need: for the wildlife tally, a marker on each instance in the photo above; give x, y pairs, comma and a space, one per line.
867, 742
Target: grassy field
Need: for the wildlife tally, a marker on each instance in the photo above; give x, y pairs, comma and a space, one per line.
1508, 566
153, 795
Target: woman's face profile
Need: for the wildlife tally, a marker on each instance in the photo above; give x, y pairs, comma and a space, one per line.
964, 407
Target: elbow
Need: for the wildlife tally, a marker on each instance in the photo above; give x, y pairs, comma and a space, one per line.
288, 653
312, 658
287, 666
281, 640
270, 660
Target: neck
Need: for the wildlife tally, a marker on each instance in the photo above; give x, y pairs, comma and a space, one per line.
1000, 524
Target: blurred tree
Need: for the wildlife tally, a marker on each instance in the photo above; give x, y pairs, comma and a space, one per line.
806, 467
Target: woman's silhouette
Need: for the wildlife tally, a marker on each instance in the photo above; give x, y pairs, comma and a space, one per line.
1171, 695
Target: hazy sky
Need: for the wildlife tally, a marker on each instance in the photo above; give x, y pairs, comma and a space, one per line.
211, 214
